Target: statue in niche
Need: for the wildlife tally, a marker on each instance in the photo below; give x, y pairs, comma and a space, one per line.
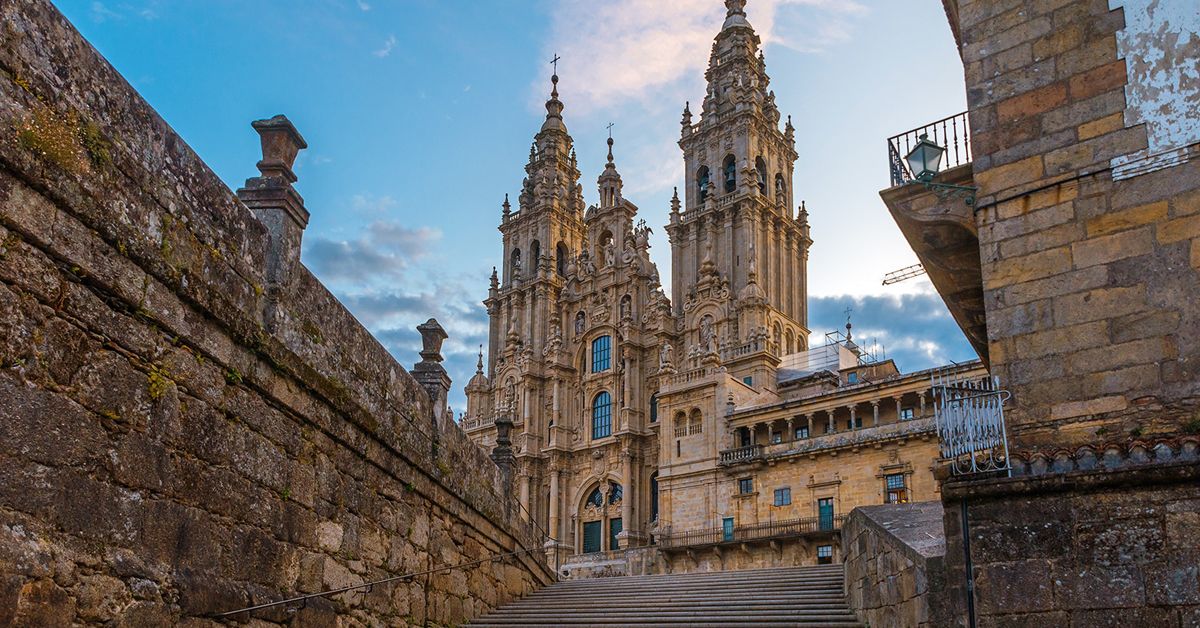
706, 333
626, 308
608, 254
580, 322
665, 356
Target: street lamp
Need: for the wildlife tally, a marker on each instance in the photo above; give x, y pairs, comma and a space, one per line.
924, 161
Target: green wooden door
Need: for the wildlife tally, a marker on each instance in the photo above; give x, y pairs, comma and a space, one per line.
614, 528
825, 513
591, 536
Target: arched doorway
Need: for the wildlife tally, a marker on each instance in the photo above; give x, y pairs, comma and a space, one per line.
600, 518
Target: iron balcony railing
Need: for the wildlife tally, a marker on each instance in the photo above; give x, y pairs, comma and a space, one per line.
783, 528
969, 413
953, 134
742, 454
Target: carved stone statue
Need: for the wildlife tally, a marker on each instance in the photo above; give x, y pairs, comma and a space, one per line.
665, 356
608, 254
580, 321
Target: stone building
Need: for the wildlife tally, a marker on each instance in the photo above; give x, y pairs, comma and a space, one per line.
703, 419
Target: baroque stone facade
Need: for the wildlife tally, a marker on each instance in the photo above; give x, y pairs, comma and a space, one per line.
641, 419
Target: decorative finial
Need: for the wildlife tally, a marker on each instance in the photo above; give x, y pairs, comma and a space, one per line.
848, 325
507, 207
479, 364
554, 76
735, 7
687, 115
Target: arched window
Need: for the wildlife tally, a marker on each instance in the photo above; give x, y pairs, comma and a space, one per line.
514, 263
601, 416
790, 342
702, 183
535, 255
560, 259
761, 167
654, 408
680, 423
596, 498
778, 336
601, 354
730, 170
615, 493
696, 423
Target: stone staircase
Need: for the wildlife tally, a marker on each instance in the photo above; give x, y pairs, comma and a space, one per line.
761, 598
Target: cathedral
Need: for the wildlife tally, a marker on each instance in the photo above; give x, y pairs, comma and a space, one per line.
640, 420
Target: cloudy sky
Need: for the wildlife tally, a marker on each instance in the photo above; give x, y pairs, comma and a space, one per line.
419, 115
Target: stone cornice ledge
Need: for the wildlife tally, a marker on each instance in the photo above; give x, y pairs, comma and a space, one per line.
1112, 465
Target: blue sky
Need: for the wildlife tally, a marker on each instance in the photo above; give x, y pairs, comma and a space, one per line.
419, 115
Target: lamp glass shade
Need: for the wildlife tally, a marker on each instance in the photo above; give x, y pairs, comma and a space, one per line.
925, 158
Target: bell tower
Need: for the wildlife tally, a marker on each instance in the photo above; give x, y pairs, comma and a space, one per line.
736, 239
540, 239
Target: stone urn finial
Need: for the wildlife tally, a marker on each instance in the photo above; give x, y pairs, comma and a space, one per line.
432, 336
281, 142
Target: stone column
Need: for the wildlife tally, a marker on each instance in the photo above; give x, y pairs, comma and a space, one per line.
278, 206
429, 371
832, 427
554, 505
524, 495
791, 431
811, 431
921, 396
875, 410
853, 411
627, 525
899, 405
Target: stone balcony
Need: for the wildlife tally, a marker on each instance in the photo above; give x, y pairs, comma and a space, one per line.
923, 427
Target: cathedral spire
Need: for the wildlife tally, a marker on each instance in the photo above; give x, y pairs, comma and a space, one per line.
554, 107
610, 179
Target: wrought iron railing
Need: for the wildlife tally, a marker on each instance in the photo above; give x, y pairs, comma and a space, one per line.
782, 528
742, 454
953, 134
969, 413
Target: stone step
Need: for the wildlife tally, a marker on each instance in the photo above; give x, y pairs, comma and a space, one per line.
762, 598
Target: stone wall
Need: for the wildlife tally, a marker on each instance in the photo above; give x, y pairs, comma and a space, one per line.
895, 574
185, 428
1084, 126
1114, 545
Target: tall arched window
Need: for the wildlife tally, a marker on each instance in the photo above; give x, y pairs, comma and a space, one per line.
702, 183
730, 170
601, 416
601, 354
778, 337
654, 408
560, 259
761, 167
535, 256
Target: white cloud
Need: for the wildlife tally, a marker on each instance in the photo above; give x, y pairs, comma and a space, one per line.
629, 49
388, 45
363, 6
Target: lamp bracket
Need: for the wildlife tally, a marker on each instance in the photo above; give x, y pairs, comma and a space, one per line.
945, 190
